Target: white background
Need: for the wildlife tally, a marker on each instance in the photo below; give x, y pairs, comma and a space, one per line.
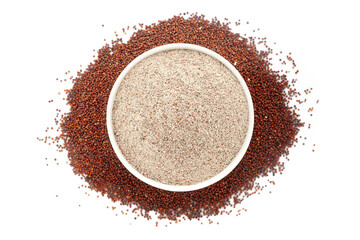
317, 197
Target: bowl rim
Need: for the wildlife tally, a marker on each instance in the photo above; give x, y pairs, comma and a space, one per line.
179, 188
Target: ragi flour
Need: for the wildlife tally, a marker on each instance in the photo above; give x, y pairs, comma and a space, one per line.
180, 117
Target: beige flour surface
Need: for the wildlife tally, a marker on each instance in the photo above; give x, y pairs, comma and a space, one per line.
180, 117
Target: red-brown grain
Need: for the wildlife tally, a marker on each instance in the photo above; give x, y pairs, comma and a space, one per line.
91, 156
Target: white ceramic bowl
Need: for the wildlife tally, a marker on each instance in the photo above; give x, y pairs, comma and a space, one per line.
210, 181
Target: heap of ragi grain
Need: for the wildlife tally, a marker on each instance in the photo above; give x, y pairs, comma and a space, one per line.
84, 136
